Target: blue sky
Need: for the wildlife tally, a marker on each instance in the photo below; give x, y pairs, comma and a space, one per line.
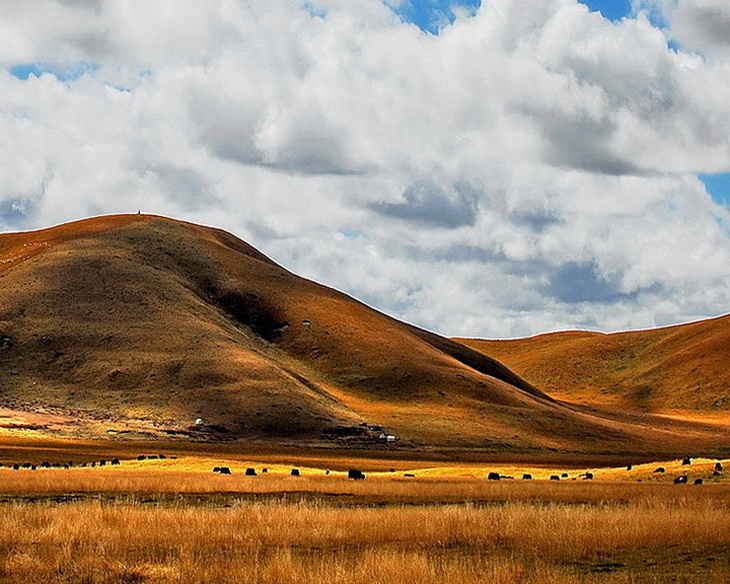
611, 9
66, 71
432, 15
718, 185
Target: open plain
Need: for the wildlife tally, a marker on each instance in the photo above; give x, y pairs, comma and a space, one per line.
169, 518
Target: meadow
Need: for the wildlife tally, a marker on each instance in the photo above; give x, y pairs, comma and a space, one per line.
171, 521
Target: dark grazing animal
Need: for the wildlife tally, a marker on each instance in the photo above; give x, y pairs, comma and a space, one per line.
527, 477
250, 472
718, 466
115, 461
687, 461
295, 472
698, 481
659, 470
355, 474
493, 476
680, 480
225, 470
589, 476
554, 478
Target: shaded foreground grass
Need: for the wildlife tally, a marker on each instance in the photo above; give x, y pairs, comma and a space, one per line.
471, 531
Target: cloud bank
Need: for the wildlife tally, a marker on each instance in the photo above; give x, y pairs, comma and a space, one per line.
531, 167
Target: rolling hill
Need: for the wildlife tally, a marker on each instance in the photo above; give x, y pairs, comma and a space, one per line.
134, 326
677, 369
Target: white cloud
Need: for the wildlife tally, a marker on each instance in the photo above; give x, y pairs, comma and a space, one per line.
532, 167
698, 25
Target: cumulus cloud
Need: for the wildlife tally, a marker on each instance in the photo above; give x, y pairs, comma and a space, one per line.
426, 202
533, 166
699, 25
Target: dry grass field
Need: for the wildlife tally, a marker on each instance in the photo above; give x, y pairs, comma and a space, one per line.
174, 521
647, 540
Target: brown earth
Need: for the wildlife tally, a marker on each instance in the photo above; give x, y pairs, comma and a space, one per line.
133, 326
678, 370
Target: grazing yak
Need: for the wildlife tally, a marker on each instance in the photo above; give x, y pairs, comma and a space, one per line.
698, 481
589, 476
526, 477
493, 476
225, 470
250, 472
661, 469
687, 461
295, 472
554, 478
355, 474
681, 480
718, 466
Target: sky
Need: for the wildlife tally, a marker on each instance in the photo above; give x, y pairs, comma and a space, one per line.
490, 169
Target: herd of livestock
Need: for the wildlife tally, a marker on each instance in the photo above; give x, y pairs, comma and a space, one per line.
352, 473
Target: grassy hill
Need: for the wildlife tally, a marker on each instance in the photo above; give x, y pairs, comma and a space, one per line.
675, 369
133, 326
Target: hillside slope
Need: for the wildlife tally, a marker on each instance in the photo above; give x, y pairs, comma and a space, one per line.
681, 368
136, 325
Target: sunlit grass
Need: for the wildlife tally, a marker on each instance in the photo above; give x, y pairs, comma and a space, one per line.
172, 520
309, 542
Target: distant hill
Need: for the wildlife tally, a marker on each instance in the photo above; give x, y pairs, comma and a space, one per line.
134, 326
675, 369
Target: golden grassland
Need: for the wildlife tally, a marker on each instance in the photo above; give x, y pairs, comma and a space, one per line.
637, 540
173, 521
